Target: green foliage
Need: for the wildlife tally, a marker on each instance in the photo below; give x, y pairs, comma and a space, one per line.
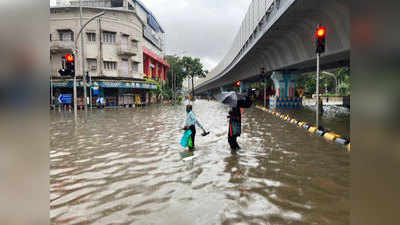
193, 67
159, 89
182, 68
308, 82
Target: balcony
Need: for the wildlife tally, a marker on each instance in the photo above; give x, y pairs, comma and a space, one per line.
127, 50
57, 46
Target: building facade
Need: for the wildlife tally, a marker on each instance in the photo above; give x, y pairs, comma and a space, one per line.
121, 49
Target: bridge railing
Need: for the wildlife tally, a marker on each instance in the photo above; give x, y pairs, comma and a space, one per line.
258, 16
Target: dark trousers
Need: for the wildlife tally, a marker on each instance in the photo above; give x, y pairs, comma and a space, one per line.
193, 135
233, 142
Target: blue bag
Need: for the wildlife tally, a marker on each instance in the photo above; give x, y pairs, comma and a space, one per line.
185, 138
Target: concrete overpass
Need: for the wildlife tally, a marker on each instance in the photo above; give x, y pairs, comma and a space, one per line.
279, 36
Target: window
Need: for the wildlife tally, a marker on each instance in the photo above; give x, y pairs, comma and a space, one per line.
91, 37
92, 64
135, 66
109, 37
66, 35
134, 44
110, 65
117, 3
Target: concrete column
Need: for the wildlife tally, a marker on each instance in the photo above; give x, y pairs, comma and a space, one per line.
156, 69
147, 97
244, 86
285, 88
285, 84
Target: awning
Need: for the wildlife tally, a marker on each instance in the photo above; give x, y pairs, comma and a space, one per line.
155, 57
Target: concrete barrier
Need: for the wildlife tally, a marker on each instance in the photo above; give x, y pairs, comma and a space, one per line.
329, 136
312, 129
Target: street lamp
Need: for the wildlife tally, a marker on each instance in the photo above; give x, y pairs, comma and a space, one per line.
334, 76
83, 65
174, 85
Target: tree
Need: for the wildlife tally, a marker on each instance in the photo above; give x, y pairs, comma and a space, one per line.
308, 82
193, 68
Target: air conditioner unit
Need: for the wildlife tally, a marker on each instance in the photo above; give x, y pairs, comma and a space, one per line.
93, 67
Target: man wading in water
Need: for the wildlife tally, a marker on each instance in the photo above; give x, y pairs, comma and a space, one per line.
235, 127
191, 121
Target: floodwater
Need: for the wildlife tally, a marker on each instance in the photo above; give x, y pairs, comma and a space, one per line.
123, 166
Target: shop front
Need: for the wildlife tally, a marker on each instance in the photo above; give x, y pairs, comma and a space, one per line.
112, 92
154, 66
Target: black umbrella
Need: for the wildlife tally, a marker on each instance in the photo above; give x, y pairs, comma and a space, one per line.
234, 99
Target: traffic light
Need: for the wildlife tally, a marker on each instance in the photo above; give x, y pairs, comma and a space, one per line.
237, 84
68, 65
320, 35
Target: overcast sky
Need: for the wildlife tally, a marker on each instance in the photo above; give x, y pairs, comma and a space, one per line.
203, 28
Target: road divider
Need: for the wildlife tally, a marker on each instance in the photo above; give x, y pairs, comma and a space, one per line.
312, 129
331, 137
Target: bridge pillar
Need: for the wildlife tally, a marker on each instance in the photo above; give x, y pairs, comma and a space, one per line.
285, 89
222, 89
244, 86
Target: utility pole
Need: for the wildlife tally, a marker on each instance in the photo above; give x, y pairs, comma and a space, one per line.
265, 91
51, 92
83, 63
90, 91
173, 82
192, 87
75, 53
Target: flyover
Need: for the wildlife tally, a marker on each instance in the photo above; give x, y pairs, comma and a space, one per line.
279, 36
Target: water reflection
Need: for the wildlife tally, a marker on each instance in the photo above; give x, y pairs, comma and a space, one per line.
124, 167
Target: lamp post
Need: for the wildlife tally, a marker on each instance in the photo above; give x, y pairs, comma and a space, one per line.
75, 52
332, 75
174, 84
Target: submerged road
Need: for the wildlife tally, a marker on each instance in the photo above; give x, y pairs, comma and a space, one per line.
123, 167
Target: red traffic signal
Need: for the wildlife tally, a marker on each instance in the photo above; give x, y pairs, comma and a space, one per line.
320, 44
321, 31
262, 70
237, 83
69, 58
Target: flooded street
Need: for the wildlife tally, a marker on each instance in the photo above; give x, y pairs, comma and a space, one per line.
123, 167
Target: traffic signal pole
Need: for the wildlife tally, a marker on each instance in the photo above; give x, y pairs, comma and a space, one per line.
75, 53
320, 48
317, 90
83, 64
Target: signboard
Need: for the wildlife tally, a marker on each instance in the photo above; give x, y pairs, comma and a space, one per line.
106, 84
148, 34
65, 98
95, 88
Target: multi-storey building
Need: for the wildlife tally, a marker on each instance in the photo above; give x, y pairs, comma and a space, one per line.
121, 48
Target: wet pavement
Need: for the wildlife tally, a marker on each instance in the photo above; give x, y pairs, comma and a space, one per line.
123, 166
